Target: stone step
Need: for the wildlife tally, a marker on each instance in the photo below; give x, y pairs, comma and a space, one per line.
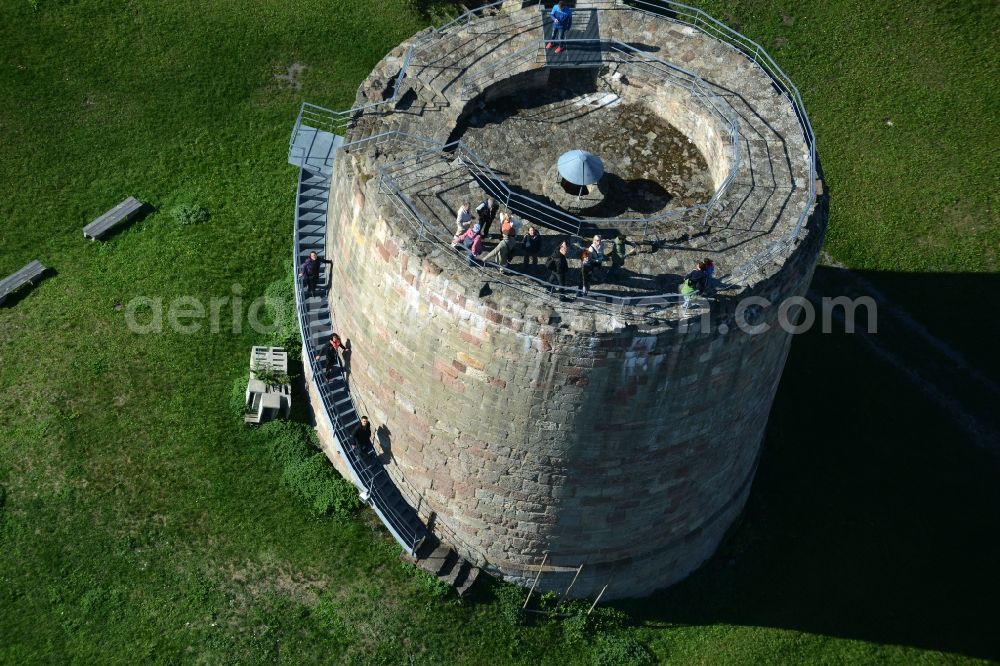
451, 576
435, 562
464, 572
442, 562
470, 578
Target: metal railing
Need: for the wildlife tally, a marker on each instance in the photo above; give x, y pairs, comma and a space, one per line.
531, 285
662, 9
683, 14
472, 82
687, 15
392, 136
620, 53
466, 18
361, 472
338, 122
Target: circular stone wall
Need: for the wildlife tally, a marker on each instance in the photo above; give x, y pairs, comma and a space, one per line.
522, 427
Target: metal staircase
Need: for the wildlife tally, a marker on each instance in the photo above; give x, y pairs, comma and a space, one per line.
314, 151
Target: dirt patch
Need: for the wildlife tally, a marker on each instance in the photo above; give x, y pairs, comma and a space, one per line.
253, 580
291, 75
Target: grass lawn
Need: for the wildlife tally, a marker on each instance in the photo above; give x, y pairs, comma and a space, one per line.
139, 521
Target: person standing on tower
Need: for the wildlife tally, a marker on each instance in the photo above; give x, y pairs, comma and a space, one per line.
487, 212
558, 266
587, 265
697, 277
709, 272
688, 292
504, 251
471, 240
562, 17
596, 251
463, 219
618, 254
531, 245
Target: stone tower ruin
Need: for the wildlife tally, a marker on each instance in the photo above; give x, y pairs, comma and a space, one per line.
619, 430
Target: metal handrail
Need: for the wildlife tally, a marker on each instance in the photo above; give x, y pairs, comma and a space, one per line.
678, 13
692, 16
424, 230
360, 471
696, 18
471, 81
668, 72
338, 122
466, 17
552, 218
383, 138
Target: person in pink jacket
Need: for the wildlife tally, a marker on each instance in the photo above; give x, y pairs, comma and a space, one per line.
471, 240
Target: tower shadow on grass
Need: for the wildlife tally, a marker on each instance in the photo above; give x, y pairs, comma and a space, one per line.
873, 515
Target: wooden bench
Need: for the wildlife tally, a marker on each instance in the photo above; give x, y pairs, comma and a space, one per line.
126, 210
26, 275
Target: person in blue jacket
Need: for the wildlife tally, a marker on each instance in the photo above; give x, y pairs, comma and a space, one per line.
562, 17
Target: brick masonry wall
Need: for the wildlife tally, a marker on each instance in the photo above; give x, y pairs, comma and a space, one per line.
518, 427
629, 450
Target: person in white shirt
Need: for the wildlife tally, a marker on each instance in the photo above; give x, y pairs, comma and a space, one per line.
463, 219
596, 251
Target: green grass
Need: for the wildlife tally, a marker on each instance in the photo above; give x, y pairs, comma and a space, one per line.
139, 521
917, 198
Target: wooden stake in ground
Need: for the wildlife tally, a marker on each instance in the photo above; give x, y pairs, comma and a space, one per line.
537, 576
597, 599
566, 593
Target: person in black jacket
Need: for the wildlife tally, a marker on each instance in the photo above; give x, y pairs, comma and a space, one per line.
587, 265
487, 212
362, 435
558, 266
698, 277
311, 269
332, 354
531, 244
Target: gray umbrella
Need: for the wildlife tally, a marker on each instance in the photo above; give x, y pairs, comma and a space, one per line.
579, 167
